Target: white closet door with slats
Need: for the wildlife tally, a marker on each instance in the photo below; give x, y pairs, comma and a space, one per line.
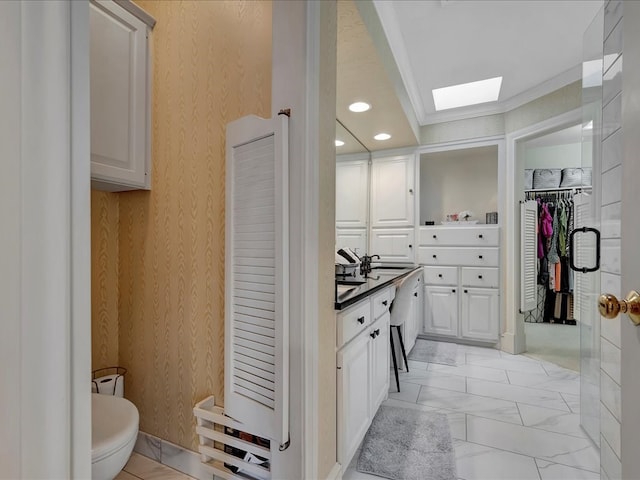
256, 271
584, 254
529, 256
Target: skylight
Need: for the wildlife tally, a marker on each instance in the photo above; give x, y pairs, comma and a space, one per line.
467, 94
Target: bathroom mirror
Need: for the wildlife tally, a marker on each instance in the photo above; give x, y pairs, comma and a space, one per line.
351, 143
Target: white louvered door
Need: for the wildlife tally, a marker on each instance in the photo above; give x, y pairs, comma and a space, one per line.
529, 257
256, 271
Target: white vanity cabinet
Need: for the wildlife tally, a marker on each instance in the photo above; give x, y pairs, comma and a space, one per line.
363, 368
392, 191
462, 275
120, 89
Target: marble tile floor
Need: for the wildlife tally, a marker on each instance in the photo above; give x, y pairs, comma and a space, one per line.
140, 467
511, 416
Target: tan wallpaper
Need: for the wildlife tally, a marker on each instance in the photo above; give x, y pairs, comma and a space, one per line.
212, 65
104, 279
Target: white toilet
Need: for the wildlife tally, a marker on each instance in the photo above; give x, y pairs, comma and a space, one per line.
114, 430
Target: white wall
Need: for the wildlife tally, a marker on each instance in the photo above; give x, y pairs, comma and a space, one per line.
458, 180
555, 156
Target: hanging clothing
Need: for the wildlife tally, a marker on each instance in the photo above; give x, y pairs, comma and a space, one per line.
552, 254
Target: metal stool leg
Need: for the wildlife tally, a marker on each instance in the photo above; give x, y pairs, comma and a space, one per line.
404, 355
393, 355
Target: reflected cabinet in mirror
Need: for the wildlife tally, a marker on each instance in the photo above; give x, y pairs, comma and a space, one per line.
352, 192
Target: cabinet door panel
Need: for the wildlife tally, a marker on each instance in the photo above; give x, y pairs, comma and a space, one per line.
353, 238
393, 244
441, 310
392, 189
379, 361
480, 316
353, 390
119, 98
352, 182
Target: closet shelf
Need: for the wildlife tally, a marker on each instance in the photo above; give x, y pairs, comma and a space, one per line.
558, 189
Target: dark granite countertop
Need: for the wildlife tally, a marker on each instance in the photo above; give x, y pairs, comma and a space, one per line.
379, 278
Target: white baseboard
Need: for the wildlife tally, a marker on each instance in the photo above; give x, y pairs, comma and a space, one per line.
511, 344
335, 473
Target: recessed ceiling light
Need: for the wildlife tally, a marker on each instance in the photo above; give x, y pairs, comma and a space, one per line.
339, 143
359, 107
382, 136
467, 94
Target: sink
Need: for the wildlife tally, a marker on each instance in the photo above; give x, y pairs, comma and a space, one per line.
342, 289
352, 283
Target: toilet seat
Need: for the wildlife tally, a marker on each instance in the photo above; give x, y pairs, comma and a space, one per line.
114, 425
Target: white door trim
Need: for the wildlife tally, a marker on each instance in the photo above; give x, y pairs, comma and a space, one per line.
47, 250
513, 338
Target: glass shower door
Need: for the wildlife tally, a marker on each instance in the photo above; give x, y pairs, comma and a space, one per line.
587, 214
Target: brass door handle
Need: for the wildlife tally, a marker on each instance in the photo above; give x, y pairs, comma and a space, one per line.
609, 306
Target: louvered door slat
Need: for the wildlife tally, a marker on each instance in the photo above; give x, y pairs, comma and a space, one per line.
267, 367
256, 323
528, 252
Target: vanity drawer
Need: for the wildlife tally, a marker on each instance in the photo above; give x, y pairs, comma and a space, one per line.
441, 275
353, 321
463, 236
380, 303
474, 257
480, 277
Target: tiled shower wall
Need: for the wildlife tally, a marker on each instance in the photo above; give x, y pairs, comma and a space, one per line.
610, 260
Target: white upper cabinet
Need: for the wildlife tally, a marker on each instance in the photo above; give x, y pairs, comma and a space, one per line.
120, 99
352, 192
392, 191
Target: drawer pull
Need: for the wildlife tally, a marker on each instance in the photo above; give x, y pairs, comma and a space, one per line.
453, 290
372, 334
480, 277
415, 294
385, 302
410, 246
466, 291
434, 256
480, 236
360, 320
439, 275
435, 236
377, 331
480, 257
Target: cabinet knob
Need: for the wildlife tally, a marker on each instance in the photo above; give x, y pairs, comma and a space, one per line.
411, 190
480, 236
480, 257
480, 277
410, 246
415, 294
372, 334
435, 236
434, 256
439, 275
453, 290
377, 331
360, 320
466, 291
384, 302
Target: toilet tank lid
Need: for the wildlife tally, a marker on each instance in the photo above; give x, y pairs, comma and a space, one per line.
114, 421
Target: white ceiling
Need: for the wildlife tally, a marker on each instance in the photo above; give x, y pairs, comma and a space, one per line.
535, 45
